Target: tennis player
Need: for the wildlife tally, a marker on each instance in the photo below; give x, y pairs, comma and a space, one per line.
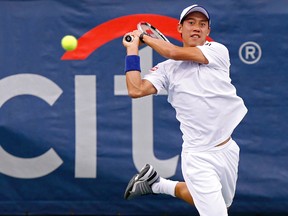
197, 79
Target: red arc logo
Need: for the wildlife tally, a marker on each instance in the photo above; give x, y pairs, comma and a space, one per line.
118, 27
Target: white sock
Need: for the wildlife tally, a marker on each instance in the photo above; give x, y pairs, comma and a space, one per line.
164, 186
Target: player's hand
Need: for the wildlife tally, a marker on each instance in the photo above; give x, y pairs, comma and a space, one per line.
138, 33
134, 42
132, 46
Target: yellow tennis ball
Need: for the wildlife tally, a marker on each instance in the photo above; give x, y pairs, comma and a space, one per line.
69, 42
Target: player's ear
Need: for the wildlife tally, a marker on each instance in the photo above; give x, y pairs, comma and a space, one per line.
208, 31
179, 28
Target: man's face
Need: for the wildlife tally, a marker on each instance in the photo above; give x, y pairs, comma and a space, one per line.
194, 29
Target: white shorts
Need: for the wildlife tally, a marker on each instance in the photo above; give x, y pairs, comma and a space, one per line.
211, 177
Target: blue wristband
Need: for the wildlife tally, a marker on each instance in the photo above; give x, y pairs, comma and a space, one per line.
132, 63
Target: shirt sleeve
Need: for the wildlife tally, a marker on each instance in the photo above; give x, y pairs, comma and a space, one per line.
216, 54
157, 77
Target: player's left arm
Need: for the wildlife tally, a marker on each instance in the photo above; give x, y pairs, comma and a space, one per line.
171, 51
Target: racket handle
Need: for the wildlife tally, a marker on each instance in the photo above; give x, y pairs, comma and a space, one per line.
129, 38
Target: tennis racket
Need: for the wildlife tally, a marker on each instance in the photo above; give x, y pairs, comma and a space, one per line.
149, 30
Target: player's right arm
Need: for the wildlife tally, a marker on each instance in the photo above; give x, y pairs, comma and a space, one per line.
136, 86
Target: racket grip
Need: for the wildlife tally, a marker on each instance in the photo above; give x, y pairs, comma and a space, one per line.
129, 38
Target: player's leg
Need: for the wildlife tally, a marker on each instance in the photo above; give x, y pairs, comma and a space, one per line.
229, 178
203, 183
148, 182
182, 192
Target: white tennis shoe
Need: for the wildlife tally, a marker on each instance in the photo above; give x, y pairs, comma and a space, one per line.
141, 183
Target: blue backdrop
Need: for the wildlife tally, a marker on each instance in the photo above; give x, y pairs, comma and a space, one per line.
71, 138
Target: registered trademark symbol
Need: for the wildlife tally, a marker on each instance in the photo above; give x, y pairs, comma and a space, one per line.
250, 52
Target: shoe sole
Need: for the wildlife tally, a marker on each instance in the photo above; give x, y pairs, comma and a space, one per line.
129, 187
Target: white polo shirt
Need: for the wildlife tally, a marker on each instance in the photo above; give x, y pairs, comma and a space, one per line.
205, 101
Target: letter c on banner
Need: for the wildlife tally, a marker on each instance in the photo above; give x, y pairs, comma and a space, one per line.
45, 89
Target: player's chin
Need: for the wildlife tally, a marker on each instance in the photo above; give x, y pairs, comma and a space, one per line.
196, 42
